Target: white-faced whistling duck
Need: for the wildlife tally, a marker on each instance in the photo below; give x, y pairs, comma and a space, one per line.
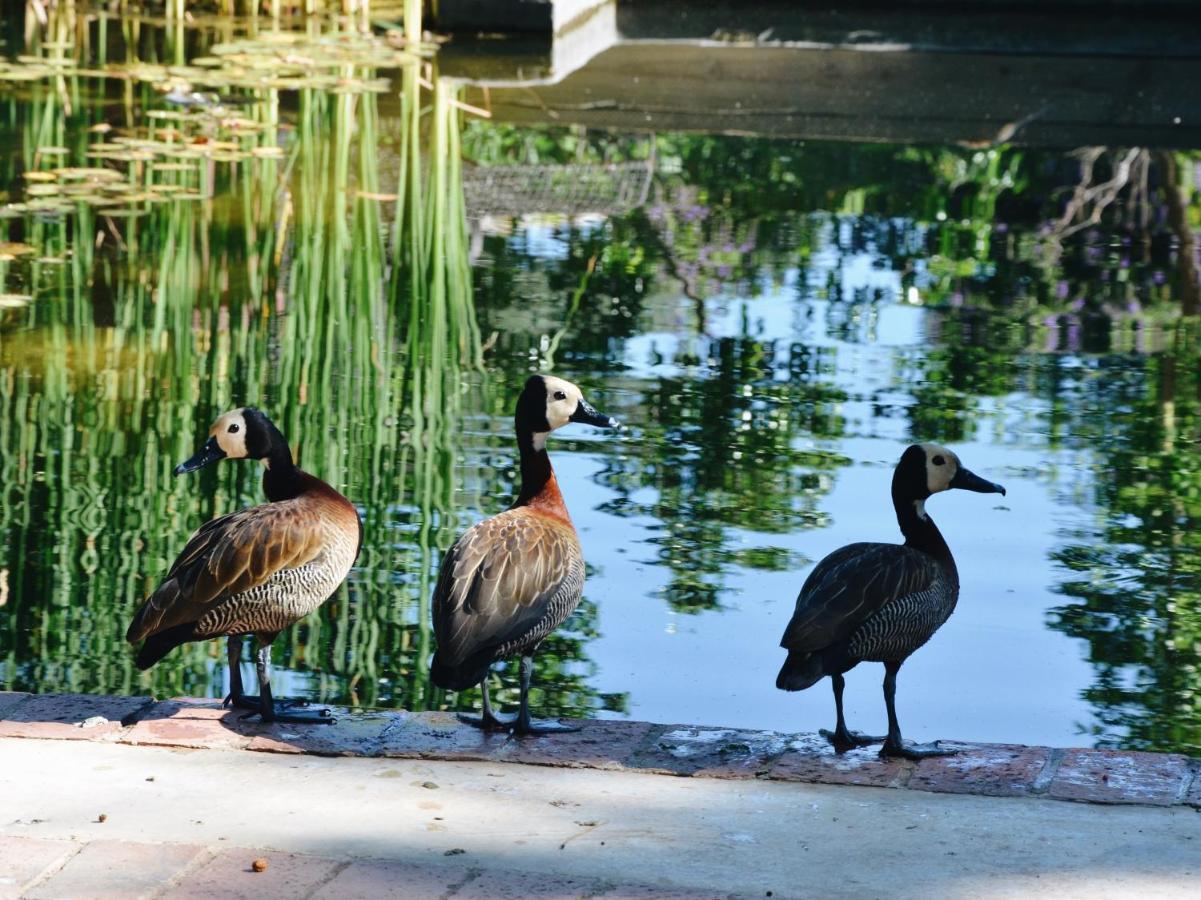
880, 602
255, 571
511, 580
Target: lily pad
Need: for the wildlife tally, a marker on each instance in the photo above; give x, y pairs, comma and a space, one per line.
10, 250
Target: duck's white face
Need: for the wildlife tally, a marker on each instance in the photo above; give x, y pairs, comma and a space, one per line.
229, 431
562, 400
941, 467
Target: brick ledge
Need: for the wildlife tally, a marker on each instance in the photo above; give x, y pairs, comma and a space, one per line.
995, 770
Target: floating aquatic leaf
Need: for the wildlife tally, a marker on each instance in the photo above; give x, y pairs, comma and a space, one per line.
267, 152
47, 204
99, 201
89, 174
24, 73
242, 124
14, 301
39, 175
10, 250
28, 60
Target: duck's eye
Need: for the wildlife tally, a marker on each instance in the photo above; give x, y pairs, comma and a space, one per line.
559, 395
939, 461
233, 429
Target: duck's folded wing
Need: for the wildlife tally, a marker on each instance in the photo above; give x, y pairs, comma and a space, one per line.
227, 556
851, 584
505, 578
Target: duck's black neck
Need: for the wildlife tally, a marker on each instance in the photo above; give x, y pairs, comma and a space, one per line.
536, 471
919, 529
282, 480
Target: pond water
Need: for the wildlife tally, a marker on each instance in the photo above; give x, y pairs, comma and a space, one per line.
774, 321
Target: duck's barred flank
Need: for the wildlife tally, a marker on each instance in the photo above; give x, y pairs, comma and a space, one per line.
285, 598
905, 624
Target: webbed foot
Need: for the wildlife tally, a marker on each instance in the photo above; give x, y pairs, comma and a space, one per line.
489, 721
251, 701
542, 726
907, 750
296, 713
845, 740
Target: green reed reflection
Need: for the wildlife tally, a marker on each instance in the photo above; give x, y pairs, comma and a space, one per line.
269, 284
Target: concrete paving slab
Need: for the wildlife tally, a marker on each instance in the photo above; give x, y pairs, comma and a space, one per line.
597, 745
1193, 797
440, 735
1100, 776
231, 875
712, 752
699, 836
814, 760
391, 880
79, 717
24, 861
993, 770
116, 870
10, 699
188, 722
356, 734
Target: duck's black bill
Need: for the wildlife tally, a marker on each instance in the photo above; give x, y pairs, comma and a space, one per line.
967, 480
209, 453
586, 414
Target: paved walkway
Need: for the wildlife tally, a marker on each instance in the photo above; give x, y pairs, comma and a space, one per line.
174, 804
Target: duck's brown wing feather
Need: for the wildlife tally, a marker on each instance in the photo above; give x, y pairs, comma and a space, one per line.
849, 586
515, 576
226, 556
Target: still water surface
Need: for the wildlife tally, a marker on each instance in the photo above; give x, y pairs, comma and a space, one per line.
773, 320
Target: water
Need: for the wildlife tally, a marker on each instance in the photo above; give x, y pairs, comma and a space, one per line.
773, 320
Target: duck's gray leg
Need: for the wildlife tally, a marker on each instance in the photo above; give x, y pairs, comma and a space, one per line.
894, 745
526, 725
237, 696
271, 710
841, 737
489, 719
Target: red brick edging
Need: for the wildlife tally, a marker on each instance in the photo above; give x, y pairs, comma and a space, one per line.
997, 770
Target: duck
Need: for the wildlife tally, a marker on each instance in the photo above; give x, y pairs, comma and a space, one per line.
255, 571
881, 602
512, 579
